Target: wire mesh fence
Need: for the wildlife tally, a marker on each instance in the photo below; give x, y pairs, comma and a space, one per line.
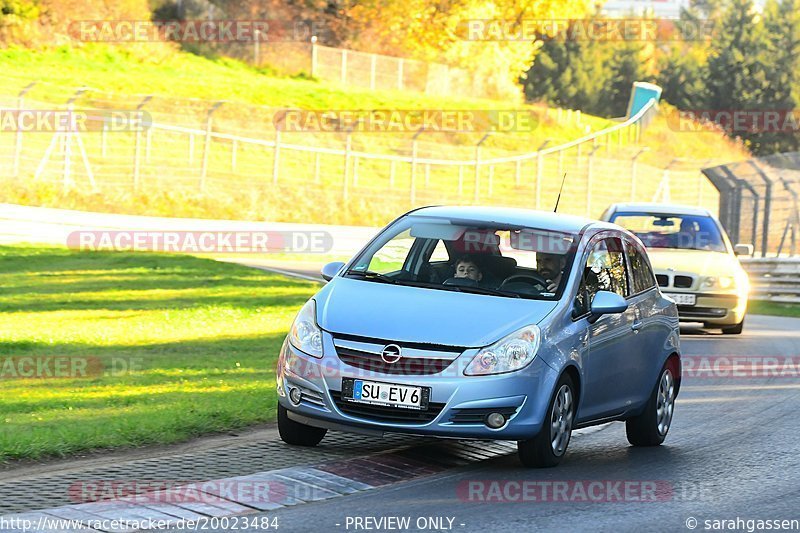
227, 154
759, 202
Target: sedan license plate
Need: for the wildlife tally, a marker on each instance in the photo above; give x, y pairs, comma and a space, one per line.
683, 299
388, 394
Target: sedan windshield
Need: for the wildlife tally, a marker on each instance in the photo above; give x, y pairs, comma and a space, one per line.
469, 256
683, 232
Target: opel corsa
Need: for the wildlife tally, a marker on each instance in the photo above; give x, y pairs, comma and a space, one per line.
485, 323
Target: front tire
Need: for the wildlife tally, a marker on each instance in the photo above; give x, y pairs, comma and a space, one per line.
734, 330
651, 427
548, 448
292, 432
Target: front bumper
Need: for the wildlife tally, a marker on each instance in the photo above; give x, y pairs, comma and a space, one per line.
455, 406
714, 309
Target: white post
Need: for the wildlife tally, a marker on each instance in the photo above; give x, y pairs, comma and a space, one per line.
373, 60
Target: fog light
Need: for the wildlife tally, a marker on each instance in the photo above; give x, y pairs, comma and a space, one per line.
295, 395
495, 420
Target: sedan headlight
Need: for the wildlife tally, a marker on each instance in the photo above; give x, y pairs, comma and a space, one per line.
305, 334
510, 353
721, 282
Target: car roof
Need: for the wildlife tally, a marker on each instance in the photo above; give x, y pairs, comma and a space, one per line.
515, 217
661, 209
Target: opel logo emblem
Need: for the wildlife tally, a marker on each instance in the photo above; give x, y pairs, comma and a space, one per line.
391, 354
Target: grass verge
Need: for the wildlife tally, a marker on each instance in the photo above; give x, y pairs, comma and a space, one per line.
185, 346
763, 307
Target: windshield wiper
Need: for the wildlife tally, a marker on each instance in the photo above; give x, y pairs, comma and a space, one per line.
472, 289
371, 276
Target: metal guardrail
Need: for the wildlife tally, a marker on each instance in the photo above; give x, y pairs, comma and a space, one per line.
774, 279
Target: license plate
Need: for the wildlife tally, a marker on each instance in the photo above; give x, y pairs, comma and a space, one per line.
683, 299
388, 394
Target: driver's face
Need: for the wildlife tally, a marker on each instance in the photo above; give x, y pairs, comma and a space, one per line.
549, 266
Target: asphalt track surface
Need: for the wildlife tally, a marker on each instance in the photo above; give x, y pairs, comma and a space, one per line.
732, 454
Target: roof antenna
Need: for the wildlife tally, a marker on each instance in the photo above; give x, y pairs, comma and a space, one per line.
555, 210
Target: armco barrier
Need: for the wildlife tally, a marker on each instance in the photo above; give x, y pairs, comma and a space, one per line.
774, 279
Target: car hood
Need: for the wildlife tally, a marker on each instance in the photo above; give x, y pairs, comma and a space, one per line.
415, 314
700, 262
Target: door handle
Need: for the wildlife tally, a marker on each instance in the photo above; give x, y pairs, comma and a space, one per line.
637, 325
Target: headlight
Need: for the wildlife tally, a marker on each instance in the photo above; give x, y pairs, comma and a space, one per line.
510, 353
305, 335
722, 282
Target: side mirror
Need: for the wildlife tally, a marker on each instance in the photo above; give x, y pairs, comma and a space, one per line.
606, 303
743, 249
331, 269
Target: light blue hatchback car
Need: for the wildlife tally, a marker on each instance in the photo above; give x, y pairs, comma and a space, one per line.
485, 323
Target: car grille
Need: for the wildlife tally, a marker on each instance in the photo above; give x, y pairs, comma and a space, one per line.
683, 282
380, 413
478, 415
415, 366
663, 280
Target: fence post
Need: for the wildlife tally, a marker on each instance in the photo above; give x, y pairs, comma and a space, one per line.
413, 191
589, 182
633, 171
347, 147
373, 60
103, 142
18, 136
400, 74
314, 57
539, 172
476, 196
276, 158
207, 146
256, 48
344, 66
234, 149
137, 147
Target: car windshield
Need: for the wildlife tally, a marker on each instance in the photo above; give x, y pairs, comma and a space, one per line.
469, 256
683, 232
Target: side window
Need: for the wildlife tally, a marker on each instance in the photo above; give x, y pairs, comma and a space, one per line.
440, 254
604, 271
643, 277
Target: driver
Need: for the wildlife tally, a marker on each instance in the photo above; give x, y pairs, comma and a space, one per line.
551, 267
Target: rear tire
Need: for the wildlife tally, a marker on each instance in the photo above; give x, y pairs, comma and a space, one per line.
292, 432
651, 427
549, 447
734, 330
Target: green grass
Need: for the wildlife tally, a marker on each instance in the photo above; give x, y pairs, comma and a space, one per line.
203, 335
763, 307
